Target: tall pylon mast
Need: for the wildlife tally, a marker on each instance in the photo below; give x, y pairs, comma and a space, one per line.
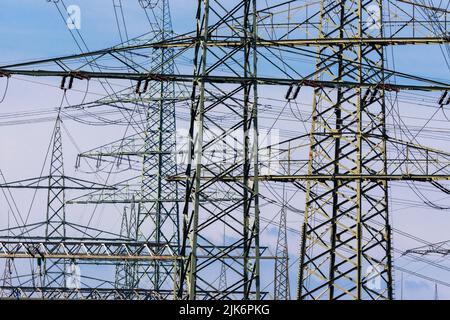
346, 235
56, 194
281, 278
55, 227
241, 214
125, 277
158, 215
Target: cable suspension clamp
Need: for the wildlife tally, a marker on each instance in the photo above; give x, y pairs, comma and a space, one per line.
142, 86
293, 91
370, 96
4, 74
71, 76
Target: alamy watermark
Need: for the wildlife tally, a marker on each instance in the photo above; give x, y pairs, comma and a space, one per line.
374, 278
373, 21
225, 148
73, 20
73, 276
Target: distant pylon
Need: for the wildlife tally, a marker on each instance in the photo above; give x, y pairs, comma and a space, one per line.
8, 268
158, 215
7, 274
281, 282
55, 227
126, 270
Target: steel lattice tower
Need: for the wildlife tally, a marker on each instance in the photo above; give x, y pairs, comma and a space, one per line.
346, 234
55, 228
241, 215
158, 217
125, 277
157, 210
281, 279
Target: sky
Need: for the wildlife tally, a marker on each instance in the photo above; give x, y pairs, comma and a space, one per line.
33, 29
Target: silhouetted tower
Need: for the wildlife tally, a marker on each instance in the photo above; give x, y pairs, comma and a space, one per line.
55, 227
126, 270
281, 280
158, 215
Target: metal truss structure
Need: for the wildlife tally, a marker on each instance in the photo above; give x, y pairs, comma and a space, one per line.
79, 294
352, 242
93, 250
55, 271
156, 218
282, 290
346, 234
440, 248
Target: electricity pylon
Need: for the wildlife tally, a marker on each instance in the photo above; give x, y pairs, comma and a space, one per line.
242, 255
223, 269
158, 218
346, 233
125, 277
436, 293
281, 279
8, 271
157, 214
55, 227
352, 241
53, 272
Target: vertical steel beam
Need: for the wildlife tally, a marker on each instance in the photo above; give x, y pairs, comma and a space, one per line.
188, 275
125, 277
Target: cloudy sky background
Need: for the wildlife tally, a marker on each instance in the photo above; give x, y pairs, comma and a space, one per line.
32, 29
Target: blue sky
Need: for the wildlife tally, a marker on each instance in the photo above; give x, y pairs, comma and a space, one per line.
32, 29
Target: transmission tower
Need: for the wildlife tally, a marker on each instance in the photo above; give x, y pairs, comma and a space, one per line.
346, 233
223, 269
281, 281
8, 268
158, 219
334, 251
243, 254
56, 215
436, 293
157, 213
126, 271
